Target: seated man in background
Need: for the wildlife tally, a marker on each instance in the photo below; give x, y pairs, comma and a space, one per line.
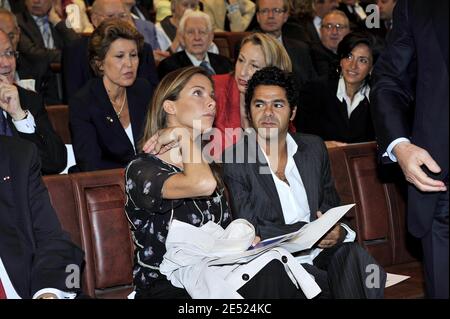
335, 26
23, 114
229, 15
279, 182
75, 63
37, 258
44, 32
272, 16
196, 37
31, 75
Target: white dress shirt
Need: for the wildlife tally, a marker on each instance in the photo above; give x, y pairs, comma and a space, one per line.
318, 24
27, 125
294, 200
341, 94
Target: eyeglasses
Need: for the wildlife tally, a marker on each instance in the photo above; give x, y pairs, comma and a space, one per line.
9, 54
275, 11
122, 15
338, 26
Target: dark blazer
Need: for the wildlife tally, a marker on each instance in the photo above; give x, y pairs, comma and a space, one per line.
33, 247
310, 33
77, 71
31, 43
219, 63
253, 195
99, 140
324, 60
321, 113
302, 64
52, 151
419, 37
46, 83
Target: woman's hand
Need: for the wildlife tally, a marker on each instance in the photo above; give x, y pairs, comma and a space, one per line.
331, 144
256, 241
333, 237
165, 139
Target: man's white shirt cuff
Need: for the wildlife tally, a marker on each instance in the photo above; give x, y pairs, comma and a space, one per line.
27, 125
391, 147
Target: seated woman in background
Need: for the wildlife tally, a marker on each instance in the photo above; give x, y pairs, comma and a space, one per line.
168, 184
107, 115
258, 50
338, 109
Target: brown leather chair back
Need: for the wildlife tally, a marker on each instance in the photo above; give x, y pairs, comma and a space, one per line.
59, 117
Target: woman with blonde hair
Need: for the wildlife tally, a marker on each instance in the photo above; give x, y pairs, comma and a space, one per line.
258, 50
175, 182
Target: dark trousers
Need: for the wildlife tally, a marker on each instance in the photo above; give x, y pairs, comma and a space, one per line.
435, 251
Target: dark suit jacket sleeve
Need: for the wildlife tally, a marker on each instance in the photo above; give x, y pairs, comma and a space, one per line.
84, 136
52, 151
330, 197
392, 89
75, 65
28, 47
147, 66
53, 249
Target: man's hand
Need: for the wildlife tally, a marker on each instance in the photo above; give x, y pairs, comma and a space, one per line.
333, 237
331, 144
410, 158
53, 15
256, 241
9, 99
159, 55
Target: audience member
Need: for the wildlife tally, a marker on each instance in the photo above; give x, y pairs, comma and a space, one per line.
15, 6
107, 114
257, 51
162, 9
335, 26
338, 108
356, 14
281, 191
310, 14
229, 15
386, 10
35, 251
76, 67
31, 75
138, 9
23, 114
196, 36
272, 15
74, 12
43, 32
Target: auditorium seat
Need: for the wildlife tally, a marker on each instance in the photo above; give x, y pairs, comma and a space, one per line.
227, 42
90, 207
59, 117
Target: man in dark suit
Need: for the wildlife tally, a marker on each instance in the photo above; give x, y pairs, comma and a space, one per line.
43, 32
196, 36
272, 15
335, 26
414, 68
32, 75
37, 257
281, 182
75, 62
23, 114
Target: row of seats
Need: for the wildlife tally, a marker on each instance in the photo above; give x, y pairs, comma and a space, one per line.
90, 207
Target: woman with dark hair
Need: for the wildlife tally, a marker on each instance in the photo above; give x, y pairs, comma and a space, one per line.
107, 114
337, 109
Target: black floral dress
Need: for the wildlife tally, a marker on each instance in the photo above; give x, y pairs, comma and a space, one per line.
149, 214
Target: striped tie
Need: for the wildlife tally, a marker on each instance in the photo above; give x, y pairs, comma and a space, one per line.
207, 67
46, 33
4, 126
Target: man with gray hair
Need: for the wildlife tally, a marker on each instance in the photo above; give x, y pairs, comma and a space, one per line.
335, 26
196, 35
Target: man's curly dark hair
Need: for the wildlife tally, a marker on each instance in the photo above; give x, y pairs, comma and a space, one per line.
272, 76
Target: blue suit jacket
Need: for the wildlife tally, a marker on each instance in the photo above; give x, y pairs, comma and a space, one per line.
414, 68
99, 140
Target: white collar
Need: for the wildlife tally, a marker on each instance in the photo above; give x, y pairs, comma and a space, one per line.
195, 61
341, 94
